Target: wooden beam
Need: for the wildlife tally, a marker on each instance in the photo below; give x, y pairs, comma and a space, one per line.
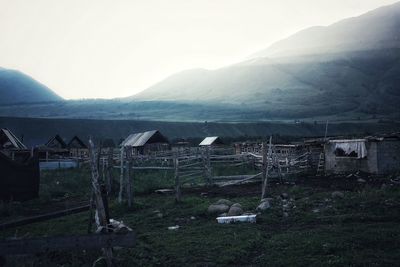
44, 217
76, 242
177, 181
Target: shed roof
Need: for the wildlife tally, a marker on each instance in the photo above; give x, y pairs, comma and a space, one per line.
76, 142
56, 141
9, 140
141, 139
211, 140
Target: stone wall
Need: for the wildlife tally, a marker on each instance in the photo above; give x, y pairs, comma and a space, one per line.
388, 156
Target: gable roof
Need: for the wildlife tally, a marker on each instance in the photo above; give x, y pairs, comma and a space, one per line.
9, 140
76, 143
211, 140
141, 139
56, 140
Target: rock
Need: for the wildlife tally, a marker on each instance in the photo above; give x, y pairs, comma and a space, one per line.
192, 218
337, 194
237, 205
224, 201
235, 211
285, 214
263, 206
269, 199
316, 210
383, 186
361, 180
218, 208
284, 195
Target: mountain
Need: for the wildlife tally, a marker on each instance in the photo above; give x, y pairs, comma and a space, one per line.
377, 29
350, 68
17, 87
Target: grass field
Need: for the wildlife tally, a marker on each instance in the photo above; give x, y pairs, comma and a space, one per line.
309, 228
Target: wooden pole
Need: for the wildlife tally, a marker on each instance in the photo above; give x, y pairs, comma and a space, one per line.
209, 179
121, 177
265, 167
99, 199
128, 179
109, 170
177, 180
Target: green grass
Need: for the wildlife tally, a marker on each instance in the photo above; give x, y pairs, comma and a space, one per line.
360, 229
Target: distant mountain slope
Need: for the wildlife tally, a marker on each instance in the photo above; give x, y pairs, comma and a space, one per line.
16, 87
377, 29
360, 83
355, 70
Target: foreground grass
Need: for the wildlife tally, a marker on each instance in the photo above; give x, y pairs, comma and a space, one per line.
360, 229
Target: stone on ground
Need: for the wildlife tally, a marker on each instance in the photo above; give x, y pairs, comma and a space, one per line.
235, 211
218, 208
264, 205
225, 202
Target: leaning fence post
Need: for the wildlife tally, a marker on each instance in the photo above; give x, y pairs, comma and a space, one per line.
101, 207
265, 166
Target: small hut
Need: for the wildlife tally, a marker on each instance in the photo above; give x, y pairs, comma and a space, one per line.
54, 148
8, 141
374, 154
211, 141
12, 147
146, 143
77, 148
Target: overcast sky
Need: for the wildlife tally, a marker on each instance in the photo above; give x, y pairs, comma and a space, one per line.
115, 48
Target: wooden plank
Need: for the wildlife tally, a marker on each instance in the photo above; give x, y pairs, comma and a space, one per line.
177, 181
241, 181
44, 217
77, 242
233, 177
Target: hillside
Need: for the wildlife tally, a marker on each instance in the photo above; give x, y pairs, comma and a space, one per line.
356, 73
375, 30
16, 87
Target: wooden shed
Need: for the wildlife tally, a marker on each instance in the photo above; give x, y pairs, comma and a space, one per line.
211, 141
146, 143
77, 148
378, 155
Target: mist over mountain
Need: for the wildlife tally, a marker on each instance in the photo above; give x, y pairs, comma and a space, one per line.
17, 87
350, 67
348, 71
375, 30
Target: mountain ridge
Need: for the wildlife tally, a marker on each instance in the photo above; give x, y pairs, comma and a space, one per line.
17, 87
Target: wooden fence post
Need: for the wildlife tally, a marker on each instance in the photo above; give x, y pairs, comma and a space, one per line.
110, 164
121, 177
265, 167
99, 200
208, 166
128, 178
177, 180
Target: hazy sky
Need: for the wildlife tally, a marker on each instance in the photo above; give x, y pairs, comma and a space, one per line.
115, 48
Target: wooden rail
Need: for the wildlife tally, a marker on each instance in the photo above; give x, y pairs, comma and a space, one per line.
44, 217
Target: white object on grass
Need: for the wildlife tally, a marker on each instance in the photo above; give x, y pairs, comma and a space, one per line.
242, 218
